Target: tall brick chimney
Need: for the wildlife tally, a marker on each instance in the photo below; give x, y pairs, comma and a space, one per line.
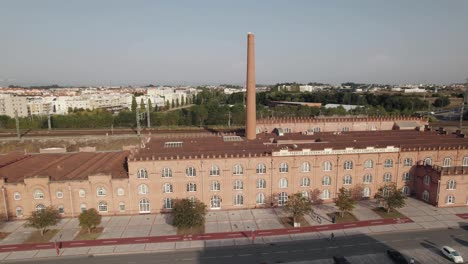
251, 113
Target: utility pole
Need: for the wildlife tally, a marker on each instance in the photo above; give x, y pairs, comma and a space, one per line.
148, 121
229, 118
17, 125
49, 123
462, 111
138, 121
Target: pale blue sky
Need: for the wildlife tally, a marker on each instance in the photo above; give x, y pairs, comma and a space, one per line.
194, 42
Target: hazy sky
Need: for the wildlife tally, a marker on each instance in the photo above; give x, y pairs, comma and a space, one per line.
197, 41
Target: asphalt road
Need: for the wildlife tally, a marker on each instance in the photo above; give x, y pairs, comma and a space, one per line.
422, 245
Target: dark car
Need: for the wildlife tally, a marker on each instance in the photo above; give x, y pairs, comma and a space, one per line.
340, 260
397, 257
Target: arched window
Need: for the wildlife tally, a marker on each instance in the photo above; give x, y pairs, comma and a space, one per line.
190, 172
428, 161
61, 209
120, 191
283, 183
191, 187
305, 194
387, 177
121, 207
447, 162
260, 198
316, 129
465, 161
405, 190
167, 203
166, 173
347, 180
369, 164
102, 207
142, 174
283, 168
282, 198
215, 186
83, 207
366, 192
82, 193
425, 196
406, 176
144, 205
214, 171
40, 207
305, 167
305, 182
348, 165
367, 178
325, 194
59, 194
143, 189
215, 202
326, 181
238, 199
38, 194
261, 184
101, 191
388, 163
345, 129
238, 185
386, 191
327, 166
167, 188
261, 168
427, 180
450, 199
451, 185
17, 196
408, 162
238, 170
19, 211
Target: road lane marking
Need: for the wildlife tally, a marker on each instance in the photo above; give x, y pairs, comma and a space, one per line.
265, 253
172, 238
8, 248
332, 247
78, 243
188, 259
320, 228
313, 249
138, 240
113, 241
227, 256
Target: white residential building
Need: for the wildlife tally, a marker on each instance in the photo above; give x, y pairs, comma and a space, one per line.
11, 105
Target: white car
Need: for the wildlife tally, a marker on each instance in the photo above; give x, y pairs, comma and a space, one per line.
452, 254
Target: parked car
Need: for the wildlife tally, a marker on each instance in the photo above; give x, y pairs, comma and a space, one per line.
452, 254
397, 257
340, 260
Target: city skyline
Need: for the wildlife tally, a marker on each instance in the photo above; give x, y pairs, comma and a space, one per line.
145, 42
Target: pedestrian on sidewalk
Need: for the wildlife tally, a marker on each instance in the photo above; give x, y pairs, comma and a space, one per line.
332, 236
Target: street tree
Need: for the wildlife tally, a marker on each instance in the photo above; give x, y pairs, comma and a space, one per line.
134, 104
89, 219
150, 105
391, 197
345, 201
188, 213
182, 100
297, 206
172, 103
43, 218
142, 105
177, 102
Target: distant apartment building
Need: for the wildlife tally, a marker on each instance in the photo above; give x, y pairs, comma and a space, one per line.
13, 105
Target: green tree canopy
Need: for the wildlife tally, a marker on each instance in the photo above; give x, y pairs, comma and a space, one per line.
89, 219
142, 105
391, 197
134, 104
44, 218
150, 105
442, 101
298, 205
345, 202
188, 213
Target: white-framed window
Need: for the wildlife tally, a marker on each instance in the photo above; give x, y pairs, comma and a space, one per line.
102, 207
40, 207
465, 161
261, 168
166, 173
369, 164
345, 129
215, 202
447, 162
191, 172
144, 205
38, 194
82, 193
325, 194
305, 194
405, 190
348, 165
287, 130
19, 211
386, 191
305, 182
215, 186
283, 183
261, 184
143, 189
425, 196
388, 163
167, 203
406, 176
167, 188
283, 168
83, 207
120, 191
327, 166
450, 199
61, 209
101, 191
282, 198
238, 185
59, 194
387, 177
408, 162
238, 170
214, 171
427, 180
305, 167
367, 178
260, 198
366, 192
238, 199
17, 196
428, 161
347, 180
326, 181
121, 207
451, 185
191, 187
142, 174
316, 129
